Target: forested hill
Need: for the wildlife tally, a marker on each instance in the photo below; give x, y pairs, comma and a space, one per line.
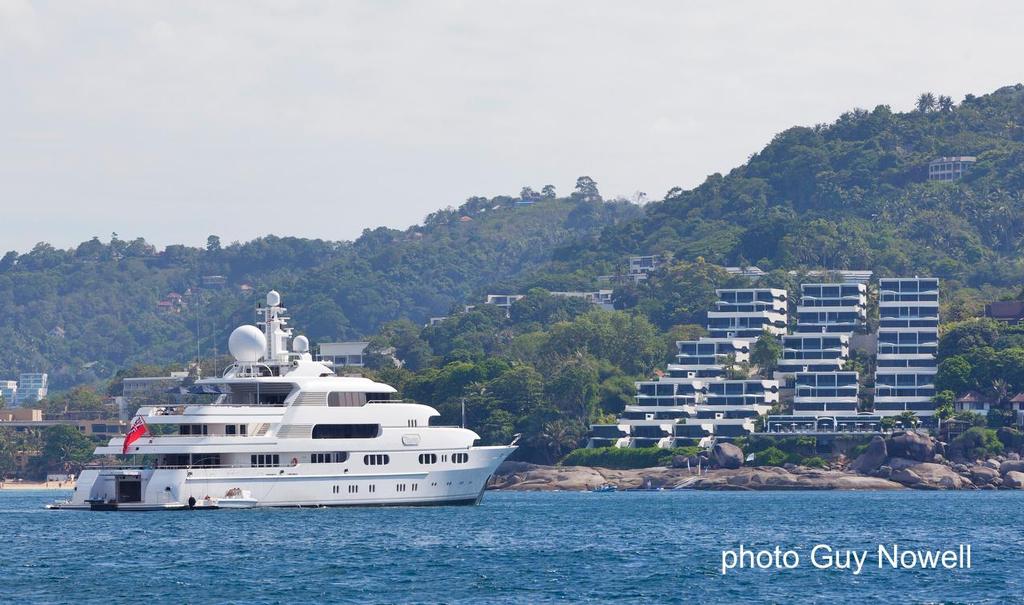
855, 194
851, 194
82, 314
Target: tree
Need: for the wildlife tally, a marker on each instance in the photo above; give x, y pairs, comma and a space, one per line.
925, 102
213, 243
908, 419
945, 103
527, 194
586, 190
548, 192
766, 353
65, 448
954, 374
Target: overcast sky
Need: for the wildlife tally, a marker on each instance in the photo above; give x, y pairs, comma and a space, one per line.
173, 120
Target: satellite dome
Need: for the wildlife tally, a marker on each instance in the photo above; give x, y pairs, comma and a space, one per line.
300, 344
247, 344
273, 298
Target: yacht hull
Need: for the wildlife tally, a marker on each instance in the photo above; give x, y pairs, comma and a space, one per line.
301, 485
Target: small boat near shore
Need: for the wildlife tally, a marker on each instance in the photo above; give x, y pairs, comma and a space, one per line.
604, 488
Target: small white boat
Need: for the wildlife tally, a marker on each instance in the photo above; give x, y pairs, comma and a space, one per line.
237, 498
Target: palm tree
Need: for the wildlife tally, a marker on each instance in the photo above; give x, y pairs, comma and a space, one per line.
945, 103
926, 102
559, 437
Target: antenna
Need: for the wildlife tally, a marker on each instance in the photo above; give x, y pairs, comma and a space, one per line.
199, 355
463, 412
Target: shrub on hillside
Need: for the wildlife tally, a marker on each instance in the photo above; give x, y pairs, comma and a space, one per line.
771, 456
976, 443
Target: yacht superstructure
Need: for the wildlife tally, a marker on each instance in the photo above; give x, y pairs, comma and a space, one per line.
285, 430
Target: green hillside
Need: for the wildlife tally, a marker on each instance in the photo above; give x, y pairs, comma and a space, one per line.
84, 313
855, 194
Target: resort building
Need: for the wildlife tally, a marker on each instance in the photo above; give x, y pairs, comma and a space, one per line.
672, 412
852, 276
908, 340
140, 388
705, 358
832, 308
950, 168
341, 354
751, 272
823, 425
746, 313
641, 266
32, 387
1010, 312
502, 300
9, 392
825, 393
813, 353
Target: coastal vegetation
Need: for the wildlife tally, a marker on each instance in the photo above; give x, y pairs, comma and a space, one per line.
850, 194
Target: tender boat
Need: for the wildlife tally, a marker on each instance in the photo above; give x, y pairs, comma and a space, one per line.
284, 429
237, 498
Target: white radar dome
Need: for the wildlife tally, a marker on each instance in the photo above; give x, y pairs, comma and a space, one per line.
247, 344
273, 298
300, 344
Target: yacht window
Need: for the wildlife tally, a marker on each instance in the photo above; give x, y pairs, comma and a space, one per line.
342, 399
193, 429
205, 460
376, 459
264, 460
340, 456
321, 458
428, 458
460, 458
242, 429
379, 396
229, 429
176, 460
346, 431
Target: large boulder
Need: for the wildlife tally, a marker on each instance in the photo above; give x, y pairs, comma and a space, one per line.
775, 478
982, 475
727, 455
1013, 480
1011, 466
912, 445
927, 475
872, 458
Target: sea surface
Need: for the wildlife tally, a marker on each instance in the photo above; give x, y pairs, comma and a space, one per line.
627, 547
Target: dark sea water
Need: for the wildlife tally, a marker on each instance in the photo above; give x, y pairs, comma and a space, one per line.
660, 547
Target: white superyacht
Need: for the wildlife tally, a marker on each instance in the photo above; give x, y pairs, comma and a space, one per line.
285, 430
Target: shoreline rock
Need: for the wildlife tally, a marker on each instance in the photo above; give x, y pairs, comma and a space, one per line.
520, 476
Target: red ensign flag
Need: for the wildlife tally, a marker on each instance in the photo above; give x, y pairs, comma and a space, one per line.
136, 430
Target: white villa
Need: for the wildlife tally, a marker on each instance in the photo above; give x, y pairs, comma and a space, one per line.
825, 393
908, 339
746, 313
832, 308
813, 353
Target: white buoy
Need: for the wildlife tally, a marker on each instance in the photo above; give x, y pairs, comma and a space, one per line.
247, 344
